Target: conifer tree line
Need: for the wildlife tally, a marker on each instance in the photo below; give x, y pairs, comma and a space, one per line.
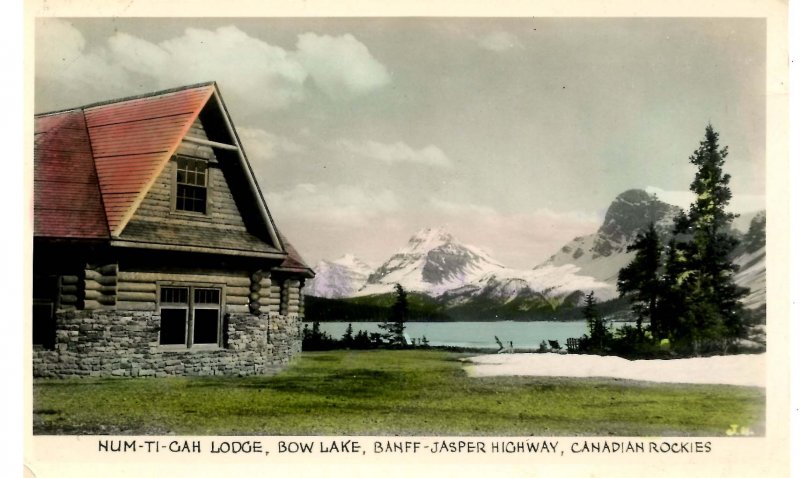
685, 288
392, 331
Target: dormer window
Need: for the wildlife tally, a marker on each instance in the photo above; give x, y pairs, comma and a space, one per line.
191, 182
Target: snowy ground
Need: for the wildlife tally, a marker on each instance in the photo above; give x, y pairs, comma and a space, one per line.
745, 370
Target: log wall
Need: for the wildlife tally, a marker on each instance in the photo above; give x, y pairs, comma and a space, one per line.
100, 286
137, 289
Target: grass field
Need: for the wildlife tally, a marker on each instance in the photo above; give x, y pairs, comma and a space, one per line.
386, 393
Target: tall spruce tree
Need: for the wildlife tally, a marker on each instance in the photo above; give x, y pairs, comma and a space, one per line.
395, 326
599, 336
713, 314
641, 281
671, 308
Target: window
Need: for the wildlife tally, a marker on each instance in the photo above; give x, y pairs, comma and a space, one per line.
191, 183
190, 315
44, 324
45, 294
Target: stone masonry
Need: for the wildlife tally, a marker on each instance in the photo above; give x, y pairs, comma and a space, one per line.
125, 344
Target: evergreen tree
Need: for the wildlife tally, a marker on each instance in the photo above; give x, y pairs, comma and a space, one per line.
756, 236
640, 280
399, 314
713, 312
395, 327
671, 308
599, 335
347, 338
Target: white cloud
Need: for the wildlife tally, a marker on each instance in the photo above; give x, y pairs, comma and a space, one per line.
398, 152
262, 145
325, 204
61, 57
270, 76
340, 66
252, 70
498, 41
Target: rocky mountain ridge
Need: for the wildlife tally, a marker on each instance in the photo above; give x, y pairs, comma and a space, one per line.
465, 281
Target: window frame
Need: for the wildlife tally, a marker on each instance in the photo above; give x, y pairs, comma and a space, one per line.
46, 292
207, 186
191, 306
36, 324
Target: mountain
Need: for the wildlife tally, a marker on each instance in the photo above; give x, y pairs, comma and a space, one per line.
751, 257
601, 255
587, 263
450, 279
522, 294
339, 278
453, 279
432, 262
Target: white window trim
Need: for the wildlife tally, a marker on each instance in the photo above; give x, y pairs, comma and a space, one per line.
174, 187
190, 307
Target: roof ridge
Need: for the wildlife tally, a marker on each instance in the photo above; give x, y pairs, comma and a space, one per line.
127, 98
96, 174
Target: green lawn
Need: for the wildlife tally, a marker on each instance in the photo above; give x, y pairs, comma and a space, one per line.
386, 393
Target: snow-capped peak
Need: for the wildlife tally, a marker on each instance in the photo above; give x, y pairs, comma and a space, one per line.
352, 262
427, 239
433, 261
338, 278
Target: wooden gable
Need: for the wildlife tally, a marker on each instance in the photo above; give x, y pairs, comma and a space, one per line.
133, 139
228, 224
197, 126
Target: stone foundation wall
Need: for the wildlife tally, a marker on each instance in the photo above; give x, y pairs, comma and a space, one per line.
125, 344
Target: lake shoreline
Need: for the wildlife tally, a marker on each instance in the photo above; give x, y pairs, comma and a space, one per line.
514, 335
306, 321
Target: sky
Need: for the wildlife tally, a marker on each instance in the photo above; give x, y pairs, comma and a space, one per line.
513, 133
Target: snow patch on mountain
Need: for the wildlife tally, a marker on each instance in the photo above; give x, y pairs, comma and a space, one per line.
338, 278
752, 274
555, 281
432, 262
601, 255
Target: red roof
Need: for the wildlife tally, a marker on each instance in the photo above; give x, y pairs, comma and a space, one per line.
93, 165
132, 141
293, 261
67, 202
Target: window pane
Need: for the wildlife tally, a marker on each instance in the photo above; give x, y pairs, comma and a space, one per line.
206, 325
173, 326
44, 325
190, 198
191, 171
206, 296
175, 295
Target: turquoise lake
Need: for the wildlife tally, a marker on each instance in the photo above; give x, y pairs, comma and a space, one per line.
476, 334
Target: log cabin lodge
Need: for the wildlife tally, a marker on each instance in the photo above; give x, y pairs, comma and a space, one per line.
154, 252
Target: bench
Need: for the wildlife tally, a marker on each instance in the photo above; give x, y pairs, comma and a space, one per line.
572, 345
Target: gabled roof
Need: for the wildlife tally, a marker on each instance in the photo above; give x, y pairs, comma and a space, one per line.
133, 139
67, 202
293, 262
96, 163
